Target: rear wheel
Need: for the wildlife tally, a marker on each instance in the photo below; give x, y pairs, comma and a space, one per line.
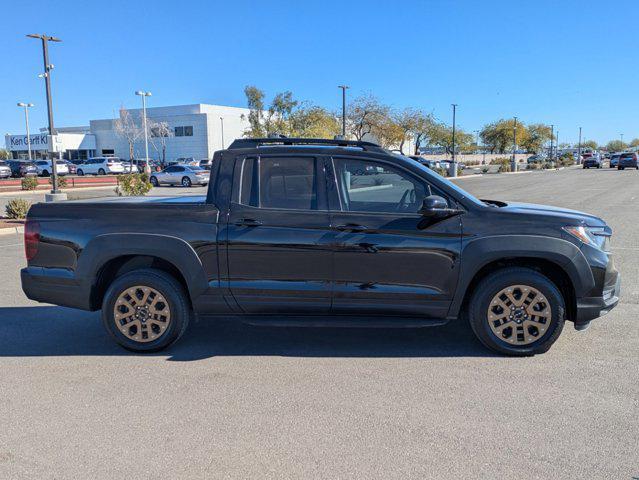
145, 310
186, 182
101, 172
45, 173
517, 311
80, 172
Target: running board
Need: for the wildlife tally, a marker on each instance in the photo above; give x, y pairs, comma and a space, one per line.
341, 321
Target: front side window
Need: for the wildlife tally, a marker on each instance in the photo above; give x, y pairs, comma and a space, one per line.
270, 182
367, 186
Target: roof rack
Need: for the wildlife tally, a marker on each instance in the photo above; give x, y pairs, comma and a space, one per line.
285, 141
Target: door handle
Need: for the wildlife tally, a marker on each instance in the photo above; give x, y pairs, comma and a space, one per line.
248, 222
351, 227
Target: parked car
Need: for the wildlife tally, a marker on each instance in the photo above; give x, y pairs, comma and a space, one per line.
101, 166
154, 165
185, 175
614, 160
628, 160
77, 161
22, 168
184, 161
272, 244
130, 167
73, 168
593, 161
45, 168
5, 169
205, 164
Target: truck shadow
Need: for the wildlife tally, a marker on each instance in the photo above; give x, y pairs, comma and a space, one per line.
57, 331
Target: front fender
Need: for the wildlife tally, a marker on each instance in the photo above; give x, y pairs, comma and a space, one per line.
174, 250
478, 253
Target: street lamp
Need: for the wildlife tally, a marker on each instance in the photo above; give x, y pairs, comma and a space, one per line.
47, 82
146, 134
513, 166
621, 134
453, 166
552, 137
343, 87
579, 149
222, 122
26, 107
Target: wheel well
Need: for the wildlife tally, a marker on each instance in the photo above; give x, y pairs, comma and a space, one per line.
554, 272
127, 263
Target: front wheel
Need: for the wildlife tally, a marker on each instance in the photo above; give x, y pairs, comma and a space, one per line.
101, 172
45, 173
154, 182
517, 311
145, 310
80, 172
186, 182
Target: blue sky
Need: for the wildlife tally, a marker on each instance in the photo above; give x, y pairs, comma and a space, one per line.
571, 63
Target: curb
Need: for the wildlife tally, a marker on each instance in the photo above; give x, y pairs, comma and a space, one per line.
43, 191
11, 230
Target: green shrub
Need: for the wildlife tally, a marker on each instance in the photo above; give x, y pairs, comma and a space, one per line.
442, 171
502, 161
548, 166
566, 160
62, 181
17, 208
133, 185
534, 166
485, 169
504, 168
29, 183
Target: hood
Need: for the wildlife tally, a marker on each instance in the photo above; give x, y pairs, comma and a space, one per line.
574, 216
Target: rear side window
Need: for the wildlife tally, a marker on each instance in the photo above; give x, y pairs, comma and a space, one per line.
273, 182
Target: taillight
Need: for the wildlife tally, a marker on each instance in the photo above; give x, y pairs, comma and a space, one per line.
31, 238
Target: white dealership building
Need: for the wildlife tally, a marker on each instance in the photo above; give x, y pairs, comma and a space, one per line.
194, 131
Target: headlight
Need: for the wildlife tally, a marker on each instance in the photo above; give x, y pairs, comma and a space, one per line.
598, 237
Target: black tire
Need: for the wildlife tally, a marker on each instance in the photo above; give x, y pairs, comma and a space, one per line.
154, 182
167, 286
80, 172
45, 173
491, 285
101, 172
186, 182
620, 168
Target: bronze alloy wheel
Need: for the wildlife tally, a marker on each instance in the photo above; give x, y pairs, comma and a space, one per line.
142, 314
519, 315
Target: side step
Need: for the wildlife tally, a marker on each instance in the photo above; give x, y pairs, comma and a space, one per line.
341, 321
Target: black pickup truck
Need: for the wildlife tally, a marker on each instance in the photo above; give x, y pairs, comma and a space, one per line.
307, 232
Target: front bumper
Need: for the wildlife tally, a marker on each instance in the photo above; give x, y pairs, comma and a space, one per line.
589, 308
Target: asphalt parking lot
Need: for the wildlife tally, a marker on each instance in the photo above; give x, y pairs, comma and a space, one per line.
232, 401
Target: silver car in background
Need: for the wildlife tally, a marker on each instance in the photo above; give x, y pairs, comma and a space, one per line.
185, 175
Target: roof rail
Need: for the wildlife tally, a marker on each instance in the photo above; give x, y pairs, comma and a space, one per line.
258, 142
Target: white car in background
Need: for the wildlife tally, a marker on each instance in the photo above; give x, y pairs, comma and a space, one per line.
101, 166
45, 167
185, 175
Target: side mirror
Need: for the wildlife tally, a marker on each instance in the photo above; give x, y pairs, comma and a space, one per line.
435, 206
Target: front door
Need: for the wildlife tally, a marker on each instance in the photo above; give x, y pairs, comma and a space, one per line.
389, 260
278, 236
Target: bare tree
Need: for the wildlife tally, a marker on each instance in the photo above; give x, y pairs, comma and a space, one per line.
365, 115
158, 134
125, 127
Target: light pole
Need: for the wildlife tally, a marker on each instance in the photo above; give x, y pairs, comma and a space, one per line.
144, 94
579, 149
343, 87
222, 122
47, 82
26, 107
453, 166
552, 136
621, 135
513, 165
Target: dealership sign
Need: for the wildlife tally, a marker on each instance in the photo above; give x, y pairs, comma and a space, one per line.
19, 142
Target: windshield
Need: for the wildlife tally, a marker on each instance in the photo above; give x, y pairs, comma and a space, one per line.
452, 185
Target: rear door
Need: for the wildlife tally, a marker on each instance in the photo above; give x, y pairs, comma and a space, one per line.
389, 260
278, 236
